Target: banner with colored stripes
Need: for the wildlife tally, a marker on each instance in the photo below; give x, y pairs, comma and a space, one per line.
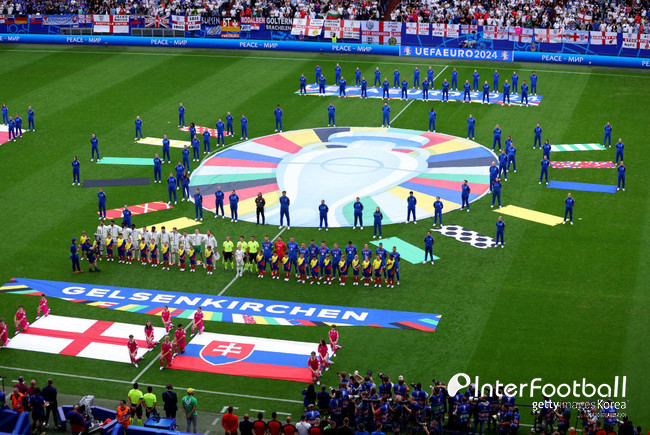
148, 207
159, 141
578, 147
222, 308
583, 165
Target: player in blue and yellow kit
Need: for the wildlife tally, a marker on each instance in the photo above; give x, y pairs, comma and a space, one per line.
315, 271
275, 266
302, 268
261, 264
377, 267
366, 267
356, 267
342, 270
390, 270
327, 269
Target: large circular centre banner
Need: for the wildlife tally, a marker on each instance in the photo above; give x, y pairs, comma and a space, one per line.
338, 164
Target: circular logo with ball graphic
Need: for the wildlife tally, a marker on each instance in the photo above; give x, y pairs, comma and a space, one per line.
380, 166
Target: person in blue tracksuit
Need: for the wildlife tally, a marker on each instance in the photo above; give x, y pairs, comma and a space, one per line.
377, 217
466, 94
19, 126
538, 136
323, 209
180, 169
437, 211
569, 202
165, 149
545, 163
411, 201
471, 123
342, 85
524, 93
515, 81
619, 150
364, 88
229, 120
506, 93
430, 76
157, 169
494, 173
501, 226
186, 158
278, 118
428, 247
192, 131
318, 73
503, 165
303, 84
322, 81
511, 151
385, 89
5, 114
75, 170
377, 78
206, 139
220, 134
358, 214
454, 79
405, 90
331, 111
608, 135
621, 175
495, 81
497, 137
126, 216
181, 116
496, 192
396, 80
196, 147
486, 93
445, 90
385, 120
432, 120
138, 128
234, 205
244, 127
465, 190
185, 183
475, 78
546, 149
101, 203
416, 78
285, 202
337, 74
533, 83
30, 119
425, 89
218, 202
198, 205
171, 187
357, 77
94, 143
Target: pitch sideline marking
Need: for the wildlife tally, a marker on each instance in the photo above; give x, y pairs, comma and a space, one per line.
407, 106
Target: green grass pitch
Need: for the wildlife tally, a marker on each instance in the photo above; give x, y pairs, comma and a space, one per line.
561, 303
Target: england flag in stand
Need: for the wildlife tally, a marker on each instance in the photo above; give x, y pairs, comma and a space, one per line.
307, 26
576, 37
520, 34
190, 23
495, 32
445, 30
421, 29
603, 38
636, 41
381, 32
111, 23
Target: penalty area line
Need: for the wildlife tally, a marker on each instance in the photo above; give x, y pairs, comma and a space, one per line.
92, 378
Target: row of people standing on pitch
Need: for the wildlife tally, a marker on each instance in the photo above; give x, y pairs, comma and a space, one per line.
15, 124
399, 79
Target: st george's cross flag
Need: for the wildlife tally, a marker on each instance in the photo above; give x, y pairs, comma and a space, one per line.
86, 338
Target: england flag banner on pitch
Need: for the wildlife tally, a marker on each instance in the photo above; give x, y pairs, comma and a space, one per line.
576, 37
636, 41
247, 356
421, 29
111, 23
85, 338
381, 32
603, 38
445, 30
307, 26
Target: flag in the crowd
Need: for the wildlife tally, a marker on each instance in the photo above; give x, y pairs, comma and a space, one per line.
230, 28
86, 338
346, 29
381, 32
111, 23
307, 26
555, 36
156, 21
251, 23
333, 14
584, 17
495, 32
468, 29
445, 30
247, 356
576, 36
603, 38
520, 34
636, 41
417, 29
189, 23
541, 35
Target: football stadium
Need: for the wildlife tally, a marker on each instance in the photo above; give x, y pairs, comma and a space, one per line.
341, 217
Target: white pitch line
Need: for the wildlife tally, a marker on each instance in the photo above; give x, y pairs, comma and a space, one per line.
258, 410
117, 381
153, 360
410, 102
216, 420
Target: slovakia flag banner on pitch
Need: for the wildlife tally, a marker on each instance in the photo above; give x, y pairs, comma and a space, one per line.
247, 356
86, 338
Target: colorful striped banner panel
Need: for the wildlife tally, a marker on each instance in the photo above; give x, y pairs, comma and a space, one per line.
222, 308
148, 207
583, 165
159, 141
577, 147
